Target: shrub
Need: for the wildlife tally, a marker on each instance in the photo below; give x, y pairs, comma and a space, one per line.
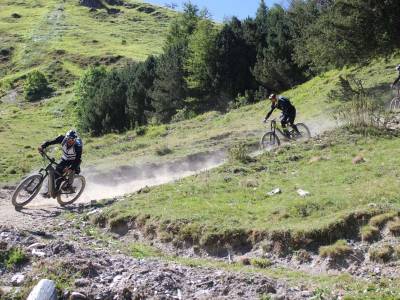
261, 263
141, 130
359, 111
239, 153
183, 114
338, 249
12, 257
381, 254
163, 150
36, 86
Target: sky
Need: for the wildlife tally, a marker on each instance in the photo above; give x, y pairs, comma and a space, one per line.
220, 9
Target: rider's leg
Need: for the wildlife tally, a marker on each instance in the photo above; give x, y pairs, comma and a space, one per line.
292, 117
284, 121
59, 172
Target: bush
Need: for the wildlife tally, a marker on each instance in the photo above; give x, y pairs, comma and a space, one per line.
163, 150
183, 114
261, 263
12, 257
36, 86
359, 112
239, 153
141, 130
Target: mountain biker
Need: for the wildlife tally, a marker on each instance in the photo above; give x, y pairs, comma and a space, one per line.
288, 112
71, 146
396, 82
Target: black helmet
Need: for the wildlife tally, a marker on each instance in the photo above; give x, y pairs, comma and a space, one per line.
71, 134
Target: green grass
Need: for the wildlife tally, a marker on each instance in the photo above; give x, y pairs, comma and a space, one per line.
218, 206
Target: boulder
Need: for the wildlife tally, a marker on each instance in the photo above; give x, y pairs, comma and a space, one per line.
44, 290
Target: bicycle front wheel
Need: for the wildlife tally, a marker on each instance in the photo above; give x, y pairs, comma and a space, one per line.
269, 141
27, 190
69, 194
304, 133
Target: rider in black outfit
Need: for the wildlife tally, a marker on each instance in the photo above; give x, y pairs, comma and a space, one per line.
288, 112
398, 78
71, 146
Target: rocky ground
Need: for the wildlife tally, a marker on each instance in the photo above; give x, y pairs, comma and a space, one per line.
94, 270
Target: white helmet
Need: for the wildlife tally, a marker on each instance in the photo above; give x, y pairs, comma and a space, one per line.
398, 68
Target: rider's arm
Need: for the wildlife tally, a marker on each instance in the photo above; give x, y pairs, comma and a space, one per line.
57, 140
78, 151
270, 112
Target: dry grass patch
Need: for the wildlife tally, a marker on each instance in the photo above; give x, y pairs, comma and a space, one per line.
338, 249
369, 233
394, 227
380, 220
381, 254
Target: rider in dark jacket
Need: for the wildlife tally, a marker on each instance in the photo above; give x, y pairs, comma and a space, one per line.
288, 112
398, 77
71, 146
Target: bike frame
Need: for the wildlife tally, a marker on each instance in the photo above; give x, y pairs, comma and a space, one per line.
49, 171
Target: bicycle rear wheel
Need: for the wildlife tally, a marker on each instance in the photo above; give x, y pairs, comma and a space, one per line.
68, 195
27, 190
304, 133
269, 141
395, 104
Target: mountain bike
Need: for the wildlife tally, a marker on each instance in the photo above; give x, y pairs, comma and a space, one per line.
271, 140
70, 185
395, 102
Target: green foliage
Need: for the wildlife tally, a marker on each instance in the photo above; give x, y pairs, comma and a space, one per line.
201, 55
183, 114
337, 35
101, 102
12, 258
235, 57
36, 86
275, 68
262, 263
169, 87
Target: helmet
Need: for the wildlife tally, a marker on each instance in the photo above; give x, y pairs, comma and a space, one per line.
272, 96
398, 68
71, 135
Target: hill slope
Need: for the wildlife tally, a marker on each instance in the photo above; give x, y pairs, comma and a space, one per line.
26, 125
64, 37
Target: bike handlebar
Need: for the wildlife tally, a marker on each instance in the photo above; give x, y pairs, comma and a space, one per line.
44, 154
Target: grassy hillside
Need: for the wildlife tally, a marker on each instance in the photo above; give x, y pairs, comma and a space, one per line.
63, 37
23, 126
